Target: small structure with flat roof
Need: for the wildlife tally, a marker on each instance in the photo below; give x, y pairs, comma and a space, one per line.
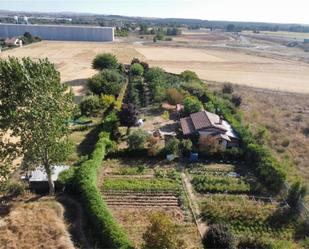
38, 180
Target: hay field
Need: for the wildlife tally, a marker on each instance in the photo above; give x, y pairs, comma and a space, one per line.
38, 224
73, 60
231, 66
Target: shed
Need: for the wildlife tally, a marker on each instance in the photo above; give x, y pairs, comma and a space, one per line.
38, 178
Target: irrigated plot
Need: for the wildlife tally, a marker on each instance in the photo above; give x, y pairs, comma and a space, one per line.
136, 189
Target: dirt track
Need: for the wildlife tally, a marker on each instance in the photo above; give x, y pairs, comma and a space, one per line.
73, 60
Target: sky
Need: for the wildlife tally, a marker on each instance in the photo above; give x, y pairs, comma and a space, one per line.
280, 11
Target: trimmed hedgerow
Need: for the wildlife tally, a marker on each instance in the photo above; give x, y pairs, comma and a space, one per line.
109, 233
258, 157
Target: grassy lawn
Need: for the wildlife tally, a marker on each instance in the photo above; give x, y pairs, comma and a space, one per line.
83, 139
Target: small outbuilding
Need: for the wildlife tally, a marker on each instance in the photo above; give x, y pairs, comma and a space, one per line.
13, 42
38, 178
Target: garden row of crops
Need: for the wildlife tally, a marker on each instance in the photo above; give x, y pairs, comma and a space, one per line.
160, 184
218, 184
243, 198
212, 168
250, 219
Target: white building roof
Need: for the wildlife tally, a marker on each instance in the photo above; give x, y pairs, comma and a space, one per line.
229, 130
39, 175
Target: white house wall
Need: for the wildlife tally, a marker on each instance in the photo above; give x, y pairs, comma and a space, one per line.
59, 32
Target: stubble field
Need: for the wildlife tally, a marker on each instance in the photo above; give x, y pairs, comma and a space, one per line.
73, 60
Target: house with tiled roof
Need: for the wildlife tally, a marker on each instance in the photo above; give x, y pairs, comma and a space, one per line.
206, 124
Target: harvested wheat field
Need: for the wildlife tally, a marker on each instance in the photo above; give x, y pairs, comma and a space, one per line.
37, 224
232, 66
73, 60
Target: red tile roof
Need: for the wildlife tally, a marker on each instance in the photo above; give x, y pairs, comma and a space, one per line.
201, 120
187, 126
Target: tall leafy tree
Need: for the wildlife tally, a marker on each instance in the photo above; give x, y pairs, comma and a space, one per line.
105, 61
34, 108
128, 115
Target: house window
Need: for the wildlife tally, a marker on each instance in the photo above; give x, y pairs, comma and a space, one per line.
220, 141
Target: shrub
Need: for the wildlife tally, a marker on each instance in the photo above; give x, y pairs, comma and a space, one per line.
285, 142
189, 76
153, 146
253, 243
296, 193
128, 115
186, 146
236, 100
172, 146
227, 88
137, 70
173, 96
155, 74
105, 61
166, 115
192, 105
137, 139
306, 131
135, 60
145, 65
161, 233
210, 107
90, 106
107, 101
13, 188
219, 236
106, 82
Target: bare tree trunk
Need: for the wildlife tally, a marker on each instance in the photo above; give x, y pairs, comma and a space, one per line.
51, 184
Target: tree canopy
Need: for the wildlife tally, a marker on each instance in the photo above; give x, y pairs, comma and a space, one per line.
107, 81
192, 105
137, 70
161, 233
35, 108
105, 61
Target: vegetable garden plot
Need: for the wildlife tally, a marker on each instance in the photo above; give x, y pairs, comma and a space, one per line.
249, 218
220, 184
140, 184
153, 192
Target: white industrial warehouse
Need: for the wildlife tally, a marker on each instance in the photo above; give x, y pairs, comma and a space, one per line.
59, 32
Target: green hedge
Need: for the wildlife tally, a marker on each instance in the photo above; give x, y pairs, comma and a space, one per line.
108, 231
257, 156
83, 180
